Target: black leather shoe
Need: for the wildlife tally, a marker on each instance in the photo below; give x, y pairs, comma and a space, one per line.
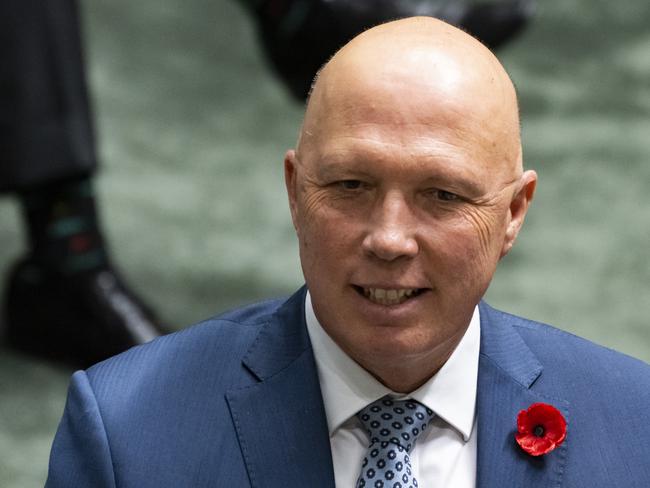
299, 36
77, 320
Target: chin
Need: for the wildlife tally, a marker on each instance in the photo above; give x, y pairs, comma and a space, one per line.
401, 344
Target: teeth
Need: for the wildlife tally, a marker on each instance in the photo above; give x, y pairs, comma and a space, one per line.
389, 296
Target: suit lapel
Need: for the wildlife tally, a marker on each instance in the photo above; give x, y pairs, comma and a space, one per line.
507, 371
280, 421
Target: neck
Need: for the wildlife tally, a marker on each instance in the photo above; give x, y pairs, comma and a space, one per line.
402, 379
406, 373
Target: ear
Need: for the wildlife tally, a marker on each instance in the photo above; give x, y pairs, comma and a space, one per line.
290, 180
518, 208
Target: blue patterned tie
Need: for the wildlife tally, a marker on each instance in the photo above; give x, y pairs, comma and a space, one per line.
393, 426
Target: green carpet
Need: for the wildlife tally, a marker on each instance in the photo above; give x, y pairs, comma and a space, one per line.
193, 129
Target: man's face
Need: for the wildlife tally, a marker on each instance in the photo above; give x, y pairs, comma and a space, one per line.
402, 216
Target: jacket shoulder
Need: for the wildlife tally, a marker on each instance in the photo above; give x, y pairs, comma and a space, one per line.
602, 393
163, 405
579, 365
216, 344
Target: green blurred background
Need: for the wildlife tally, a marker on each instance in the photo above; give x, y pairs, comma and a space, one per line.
193, 127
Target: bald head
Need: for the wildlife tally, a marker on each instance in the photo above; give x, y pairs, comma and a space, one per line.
418, 70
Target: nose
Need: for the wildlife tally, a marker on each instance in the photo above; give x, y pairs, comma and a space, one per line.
391, 234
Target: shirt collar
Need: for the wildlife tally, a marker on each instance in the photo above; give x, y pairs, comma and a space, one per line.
347, 388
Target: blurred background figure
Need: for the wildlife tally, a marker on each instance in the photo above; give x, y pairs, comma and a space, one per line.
64, 299
299, 36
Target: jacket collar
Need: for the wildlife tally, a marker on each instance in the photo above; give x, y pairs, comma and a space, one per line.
280, 421
508, 370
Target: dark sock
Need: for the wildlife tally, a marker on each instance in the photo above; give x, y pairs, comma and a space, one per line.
63, 228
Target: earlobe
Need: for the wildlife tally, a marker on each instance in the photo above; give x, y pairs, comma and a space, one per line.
518, 208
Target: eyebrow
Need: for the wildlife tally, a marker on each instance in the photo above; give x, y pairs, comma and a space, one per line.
462, 182
336, 167
335, 164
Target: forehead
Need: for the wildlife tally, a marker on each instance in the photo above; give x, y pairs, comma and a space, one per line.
379, 153
416, 136
413, 141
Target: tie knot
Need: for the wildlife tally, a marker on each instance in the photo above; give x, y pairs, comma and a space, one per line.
398, 422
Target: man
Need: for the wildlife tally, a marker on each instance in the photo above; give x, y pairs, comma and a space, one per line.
406, 188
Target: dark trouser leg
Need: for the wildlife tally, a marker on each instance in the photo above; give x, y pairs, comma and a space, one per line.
46, 132
64, 301
47, 150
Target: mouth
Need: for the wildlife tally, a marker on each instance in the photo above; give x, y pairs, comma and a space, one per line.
388, 296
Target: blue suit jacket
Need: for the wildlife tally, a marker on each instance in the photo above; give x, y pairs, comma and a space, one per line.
235, 402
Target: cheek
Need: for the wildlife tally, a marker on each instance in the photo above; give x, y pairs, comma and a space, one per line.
465, 250
326, 239
485, 227
324, 221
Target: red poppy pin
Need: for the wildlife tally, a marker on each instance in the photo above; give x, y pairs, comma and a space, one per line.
540, 429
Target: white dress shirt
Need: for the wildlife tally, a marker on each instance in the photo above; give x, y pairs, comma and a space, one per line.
444, 455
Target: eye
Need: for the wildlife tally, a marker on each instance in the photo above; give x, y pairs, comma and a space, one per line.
350, 184
442, 195
446, 196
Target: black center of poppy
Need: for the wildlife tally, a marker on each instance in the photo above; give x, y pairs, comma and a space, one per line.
538, 431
